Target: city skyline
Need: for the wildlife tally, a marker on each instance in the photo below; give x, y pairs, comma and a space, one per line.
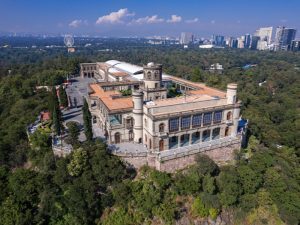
132, 18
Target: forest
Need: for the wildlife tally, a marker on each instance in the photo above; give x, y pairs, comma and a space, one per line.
91, 186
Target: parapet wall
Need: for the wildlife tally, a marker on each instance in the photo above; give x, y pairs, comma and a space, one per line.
219, 153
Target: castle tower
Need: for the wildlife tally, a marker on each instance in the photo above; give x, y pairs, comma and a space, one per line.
231, 99
137, 98
231, 93
153, 88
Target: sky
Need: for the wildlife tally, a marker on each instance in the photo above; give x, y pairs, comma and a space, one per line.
123, 18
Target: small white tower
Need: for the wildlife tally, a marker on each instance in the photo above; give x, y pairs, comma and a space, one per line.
231, 99
137, 98
153, 88
231, 93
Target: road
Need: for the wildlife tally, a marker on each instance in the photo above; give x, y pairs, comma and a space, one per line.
76, 92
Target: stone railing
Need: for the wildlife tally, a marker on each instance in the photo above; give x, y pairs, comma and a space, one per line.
194, 149
125, 153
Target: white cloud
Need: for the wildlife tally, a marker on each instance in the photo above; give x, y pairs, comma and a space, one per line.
174, 19
195, 20
149, 20
77, 23
115, 17
212, 21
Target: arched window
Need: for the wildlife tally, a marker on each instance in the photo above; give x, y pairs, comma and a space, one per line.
161, 145
227, 131
117, 138
156, 74
149, 75
228, 116
130, 135
145, 122
161, 127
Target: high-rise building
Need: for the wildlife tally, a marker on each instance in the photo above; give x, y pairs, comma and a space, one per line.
247, 40
265, 34
232, 42
284, 37
262, 45
218, 40
295, 46
241, 42
186, 38
254, 42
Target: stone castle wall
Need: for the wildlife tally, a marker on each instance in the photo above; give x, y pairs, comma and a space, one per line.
219, 154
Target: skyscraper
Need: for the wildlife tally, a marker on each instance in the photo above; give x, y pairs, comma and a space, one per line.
254, 42
295, 46
219, 40
241, 42
247, 40
284, 37
186, 38
265, 34
233, 43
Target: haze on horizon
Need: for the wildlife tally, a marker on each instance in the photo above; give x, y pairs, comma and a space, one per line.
135, 18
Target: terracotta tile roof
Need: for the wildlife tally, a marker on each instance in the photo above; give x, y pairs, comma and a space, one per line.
112, 99
179, 100
119, 74
200, 88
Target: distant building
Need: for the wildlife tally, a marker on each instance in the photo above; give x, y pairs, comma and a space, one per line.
216, 68
186, 38
295, 46
254, 42
284, 37
247, 41
262, 45
241, 42
233, 43
218, 40
265, 34
71, 49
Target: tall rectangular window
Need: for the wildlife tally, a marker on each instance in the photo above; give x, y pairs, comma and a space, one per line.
207, 118
174, 124
185, 122
197, 120
218, 116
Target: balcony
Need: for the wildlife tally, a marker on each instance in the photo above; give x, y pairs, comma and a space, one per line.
162, 134
229, 122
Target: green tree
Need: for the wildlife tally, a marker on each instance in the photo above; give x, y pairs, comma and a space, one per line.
209, 184
206, 165
250, 180
63, 97
56, 113
196, 75
87, 121
74, 132
229, 185
199, 209
78, 162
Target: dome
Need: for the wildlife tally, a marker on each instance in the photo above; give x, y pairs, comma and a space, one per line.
150, 64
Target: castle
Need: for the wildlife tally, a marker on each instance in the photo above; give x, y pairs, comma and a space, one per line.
171, 119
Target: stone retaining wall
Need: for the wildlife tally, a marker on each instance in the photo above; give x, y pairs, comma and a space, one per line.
219, 155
